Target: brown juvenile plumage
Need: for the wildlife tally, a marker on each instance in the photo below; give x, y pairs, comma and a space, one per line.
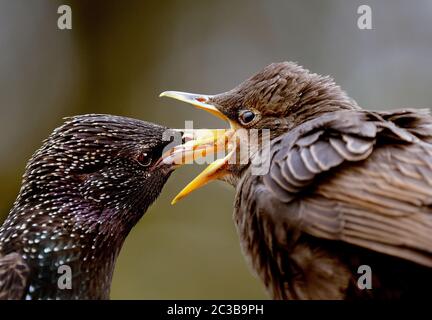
359, 179
345, 188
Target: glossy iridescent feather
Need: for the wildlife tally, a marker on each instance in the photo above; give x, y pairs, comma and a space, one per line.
82, 192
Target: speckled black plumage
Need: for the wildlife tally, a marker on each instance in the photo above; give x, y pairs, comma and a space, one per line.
82, 192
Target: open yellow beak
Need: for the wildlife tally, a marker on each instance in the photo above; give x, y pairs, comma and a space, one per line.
202, 142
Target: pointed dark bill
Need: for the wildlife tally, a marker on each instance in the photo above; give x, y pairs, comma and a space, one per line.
201, 143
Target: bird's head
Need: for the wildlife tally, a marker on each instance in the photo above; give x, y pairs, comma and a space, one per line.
98, 163
267, 105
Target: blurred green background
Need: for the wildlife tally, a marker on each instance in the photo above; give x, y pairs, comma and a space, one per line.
121, 54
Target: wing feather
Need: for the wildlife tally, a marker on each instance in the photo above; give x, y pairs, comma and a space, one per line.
360, 178
14, 273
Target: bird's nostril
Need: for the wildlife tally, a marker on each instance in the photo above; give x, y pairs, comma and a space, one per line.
201, 99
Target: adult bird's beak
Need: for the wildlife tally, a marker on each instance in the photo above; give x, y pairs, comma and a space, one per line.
202, 142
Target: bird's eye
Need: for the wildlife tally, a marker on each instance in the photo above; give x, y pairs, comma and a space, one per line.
246, 116
144, 159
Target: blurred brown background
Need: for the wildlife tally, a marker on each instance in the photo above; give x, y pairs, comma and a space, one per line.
121, 54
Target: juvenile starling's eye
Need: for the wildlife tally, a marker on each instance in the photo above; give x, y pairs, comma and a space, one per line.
246, 116
144, 159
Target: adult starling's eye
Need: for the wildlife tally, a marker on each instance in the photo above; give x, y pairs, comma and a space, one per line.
144, 159
246, 116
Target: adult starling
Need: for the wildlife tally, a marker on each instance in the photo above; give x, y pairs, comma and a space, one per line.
345, 189
82, 192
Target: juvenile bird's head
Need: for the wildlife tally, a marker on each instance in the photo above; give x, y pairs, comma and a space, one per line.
272, 102
280, 97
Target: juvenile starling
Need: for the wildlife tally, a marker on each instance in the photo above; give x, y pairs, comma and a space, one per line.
345, 189
82, 192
